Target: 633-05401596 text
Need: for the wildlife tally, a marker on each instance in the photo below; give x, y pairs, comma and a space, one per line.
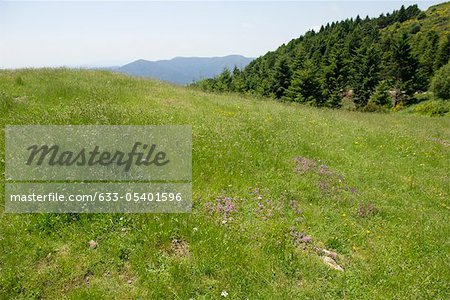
99, 196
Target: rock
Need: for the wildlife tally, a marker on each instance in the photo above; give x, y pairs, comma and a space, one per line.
331, 263
330, 254
325, 252
93, 244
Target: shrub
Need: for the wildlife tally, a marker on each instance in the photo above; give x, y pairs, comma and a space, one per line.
415, 28
432, 108
440, 84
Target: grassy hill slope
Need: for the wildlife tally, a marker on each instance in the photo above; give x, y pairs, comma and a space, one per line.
374, 188
436, 18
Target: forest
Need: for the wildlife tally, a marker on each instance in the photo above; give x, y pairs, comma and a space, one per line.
370, 64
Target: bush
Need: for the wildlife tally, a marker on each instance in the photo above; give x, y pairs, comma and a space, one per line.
415, 28
432, 108
372, 107
440, 84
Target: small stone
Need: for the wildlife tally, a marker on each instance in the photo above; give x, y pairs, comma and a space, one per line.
92, 244
331, 263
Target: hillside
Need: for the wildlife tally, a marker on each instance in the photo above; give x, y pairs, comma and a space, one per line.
297, 181
365, 63
184, 70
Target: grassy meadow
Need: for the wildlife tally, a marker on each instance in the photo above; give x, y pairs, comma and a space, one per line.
275, 187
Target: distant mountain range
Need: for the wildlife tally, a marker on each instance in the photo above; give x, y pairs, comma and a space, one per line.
183, 70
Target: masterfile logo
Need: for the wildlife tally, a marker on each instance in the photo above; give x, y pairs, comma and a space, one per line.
53, 156
98, 153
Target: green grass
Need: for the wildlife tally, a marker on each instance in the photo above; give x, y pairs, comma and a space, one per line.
397, 163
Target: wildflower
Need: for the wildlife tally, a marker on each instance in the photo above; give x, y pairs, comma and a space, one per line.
224, 294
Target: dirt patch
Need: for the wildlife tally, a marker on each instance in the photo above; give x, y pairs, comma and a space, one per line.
169, 102
324, 170
178, 248
303, 165
126, 274
366, 210
441, 141
87, 276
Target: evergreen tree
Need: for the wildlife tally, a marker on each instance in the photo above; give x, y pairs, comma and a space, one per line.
281, 78
380, 95
366, 73
237, 81
403, 66
223, 82
335, 77
305, 86
401, 15
426, 49
440, 85
443, 53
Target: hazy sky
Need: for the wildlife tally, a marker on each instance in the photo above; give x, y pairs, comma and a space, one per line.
60, 33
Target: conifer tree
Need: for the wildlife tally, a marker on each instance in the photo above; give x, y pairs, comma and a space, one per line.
403, 65
365, 73
305, 86
281, 78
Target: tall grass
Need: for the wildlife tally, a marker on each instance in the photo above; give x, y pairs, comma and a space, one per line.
374, 188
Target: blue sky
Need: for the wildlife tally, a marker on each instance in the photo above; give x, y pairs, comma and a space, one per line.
62, 33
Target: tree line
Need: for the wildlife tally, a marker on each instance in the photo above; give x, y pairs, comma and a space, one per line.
373, 62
